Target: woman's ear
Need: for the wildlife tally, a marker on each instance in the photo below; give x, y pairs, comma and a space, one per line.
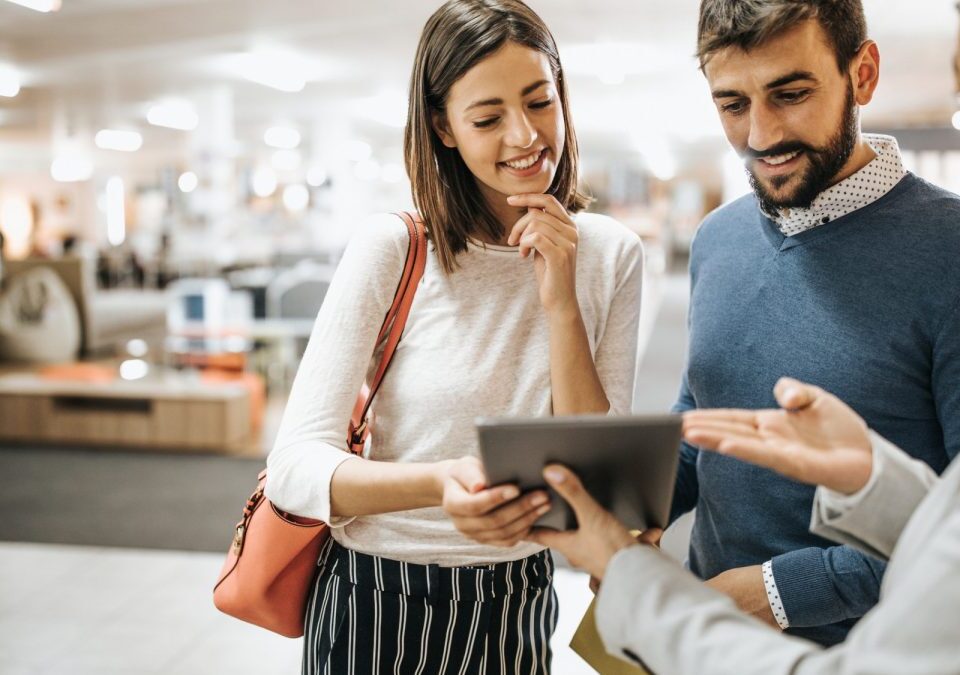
442, 127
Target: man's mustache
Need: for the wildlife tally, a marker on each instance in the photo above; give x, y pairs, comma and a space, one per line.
776, 150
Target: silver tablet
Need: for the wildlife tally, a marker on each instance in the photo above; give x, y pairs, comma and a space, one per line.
628, 464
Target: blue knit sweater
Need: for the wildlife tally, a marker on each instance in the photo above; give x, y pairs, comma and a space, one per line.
867, 307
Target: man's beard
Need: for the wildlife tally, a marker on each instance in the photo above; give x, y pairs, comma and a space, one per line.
825, 163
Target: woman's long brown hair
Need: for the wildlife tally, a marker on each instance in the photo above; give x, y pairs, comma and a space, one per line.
458, 36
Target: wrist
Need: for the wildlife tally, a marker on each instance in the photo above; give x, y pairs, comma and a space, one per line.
437, 478
608, 552
621, 540
564, 317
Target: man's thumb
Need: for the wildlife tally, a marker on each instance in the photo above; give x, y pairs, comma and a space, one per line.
567, 485
794, 395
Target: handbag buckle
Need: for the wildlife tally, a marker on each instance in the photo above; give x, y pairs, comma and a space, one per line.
358, 432
238, 538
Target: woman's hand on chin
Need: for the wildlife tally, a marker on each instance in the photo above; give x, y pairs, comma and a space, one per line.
548, 231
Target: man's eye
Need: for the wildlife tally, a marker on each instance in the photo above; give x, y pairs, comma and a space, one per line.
483, 124
734, 108
793, 96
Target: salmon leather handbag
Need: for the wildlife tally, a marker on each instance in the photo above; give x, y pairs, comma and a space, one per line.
271, 563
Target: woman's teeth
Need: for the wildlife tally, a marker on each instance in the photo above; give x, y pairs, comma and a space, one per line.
525, 163
780, 159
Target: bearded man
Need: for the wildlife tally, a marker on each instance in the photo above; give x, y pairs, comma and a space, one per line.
842, 269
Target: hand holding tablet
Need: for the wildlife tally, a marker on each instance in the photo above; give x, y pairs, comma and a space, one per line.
628, 464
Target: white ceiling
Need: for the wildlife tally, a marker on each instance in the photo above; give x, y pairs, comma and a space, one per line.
98, 63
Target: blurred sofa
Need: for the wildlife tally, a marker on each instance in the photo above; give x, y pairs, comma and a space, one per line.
108, 318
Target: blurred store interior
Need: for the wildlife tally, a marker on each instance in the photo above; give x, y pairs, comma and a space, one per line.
189, 172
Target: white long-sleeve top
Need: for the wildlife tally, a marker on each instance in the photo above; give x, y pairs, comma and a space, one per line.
476, 343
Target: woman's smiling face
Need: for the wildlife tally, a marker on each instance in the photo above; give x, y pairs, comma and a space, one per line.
505, 118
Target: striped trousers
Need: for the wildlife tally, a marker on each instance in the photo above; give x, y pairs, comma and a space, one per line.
370, 616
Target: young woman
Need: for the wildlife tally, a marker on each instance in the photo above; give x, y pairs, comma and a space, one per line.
522, 310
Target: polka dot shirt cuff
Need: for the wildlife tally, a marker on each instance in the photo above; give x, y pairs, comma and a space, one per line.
773, 596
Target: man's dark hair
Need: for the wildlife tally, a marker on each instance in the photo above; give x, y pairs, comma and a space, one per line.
750, 23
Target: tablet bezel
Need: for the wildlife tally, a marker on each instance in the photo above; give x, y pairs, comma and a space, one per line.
628, 463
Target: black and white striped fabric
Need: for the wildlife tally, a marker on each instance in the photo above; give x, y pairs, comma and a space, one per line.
370, 616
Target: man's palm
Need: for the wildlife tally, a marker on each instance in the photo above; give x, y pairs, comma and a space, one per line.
816, 438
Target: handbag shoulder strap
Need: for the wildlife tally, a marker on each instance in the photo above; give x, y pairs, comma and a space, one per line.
392, 329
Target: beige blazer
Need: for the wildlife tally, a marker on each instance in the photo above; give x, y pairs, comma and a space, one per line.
650, 608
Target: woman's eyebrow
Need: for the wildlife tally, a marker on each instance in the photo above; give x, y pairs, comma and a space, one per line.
499, 101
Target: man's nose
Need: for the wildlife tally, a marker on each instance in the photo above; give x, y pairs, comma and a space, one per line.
520, 132
766, 130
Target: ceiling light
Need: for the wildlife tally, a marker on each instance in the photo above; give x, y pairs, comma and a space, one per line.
187, 182
956, 120
9, 82
173, 115
284, 138
38, 5
114, 139
277, 71
296, 197
71, 169
264, 182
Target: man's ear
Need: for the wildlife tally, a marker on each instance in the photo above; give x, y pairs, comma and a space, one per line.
865, 72
442, 127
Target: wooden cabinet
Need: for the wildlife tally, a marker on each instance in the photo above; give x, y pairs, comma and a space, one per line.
173, 413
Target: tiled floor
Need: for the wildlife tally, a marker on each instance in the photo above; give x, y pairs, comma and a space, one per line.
74, 610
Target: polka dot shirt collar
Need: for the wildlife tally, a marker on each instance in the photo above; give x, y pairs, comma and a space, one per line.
864, 187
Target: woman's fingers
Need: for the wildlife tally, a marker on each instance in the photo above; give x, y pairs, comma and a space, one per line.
545, 202
491, 524
515, 531
458, 501
546, 243
538, 220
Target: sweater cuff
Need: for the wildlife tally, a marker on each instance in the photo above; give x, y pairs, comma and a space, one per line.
773, 596
299, 477
806, 589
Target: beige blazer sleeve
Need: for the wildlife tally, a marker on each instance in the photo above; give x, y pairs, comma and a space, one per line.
873, 519
651, 609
